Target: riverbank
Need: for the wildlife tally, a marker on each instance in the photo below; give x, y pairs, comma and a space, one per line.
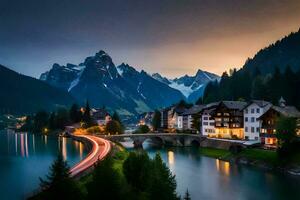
118, 154
261, 158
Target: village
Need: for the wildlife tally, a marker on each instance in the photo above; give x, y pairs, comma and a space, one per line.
253, 121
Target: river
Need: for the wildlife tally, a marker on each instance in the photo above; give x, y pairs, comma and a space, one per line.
208, 178
26, 157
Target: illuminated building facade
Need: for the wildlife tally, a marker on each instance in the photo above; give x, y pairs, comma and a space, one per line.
269, 119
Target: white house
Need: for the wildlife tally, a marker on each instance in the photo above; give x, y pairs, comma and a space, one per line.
180, 122
208, 123
252, 112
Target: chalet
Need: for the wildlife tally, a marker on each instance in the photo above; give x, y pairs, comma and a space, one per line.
101, 116
253, 110
207, 121
268, 122
171, 118
229, 120
187, 117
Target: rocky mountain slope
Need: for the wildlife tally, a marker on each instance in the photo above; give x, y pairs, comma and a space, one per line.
192, 87
120, 88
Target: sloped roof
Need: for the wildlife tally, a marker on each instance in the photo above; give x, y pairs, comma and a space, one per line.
212, 104
287, 111
237, 105
209, 111
260, 103
194, 110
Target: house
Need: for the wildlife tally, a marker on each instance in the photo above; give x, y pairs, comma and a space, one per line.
229, 120
207, 121
187, 117
175, 119
171, 117
268, 122
253, 110
101, 116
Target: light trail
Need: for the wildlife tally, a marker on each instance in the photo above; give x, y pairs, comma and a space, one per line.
100, 149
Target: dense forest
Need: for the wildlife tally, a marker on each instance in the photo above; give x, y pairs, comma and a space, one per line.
243, 85
273, 72
281, 54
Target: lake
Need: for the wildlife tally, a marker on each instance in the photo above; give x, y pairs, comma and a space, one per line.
25, 157
208, 178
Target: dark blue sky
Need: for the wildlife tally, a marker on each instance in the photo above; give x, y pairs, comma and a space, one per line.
173, 37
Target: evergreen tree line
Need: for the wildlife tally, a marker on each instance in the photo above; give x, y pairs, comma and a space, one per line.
43, 121
138, 178
246, 85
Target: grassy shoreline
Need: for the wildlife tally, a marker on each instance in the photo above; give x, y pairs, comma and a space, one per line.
259, 155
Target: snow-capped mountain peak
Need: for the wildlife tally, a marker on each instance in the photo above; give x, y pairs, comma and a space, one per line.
189, 86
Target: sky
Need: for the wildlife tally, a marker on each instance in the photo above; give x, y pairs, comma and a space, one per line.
172, 37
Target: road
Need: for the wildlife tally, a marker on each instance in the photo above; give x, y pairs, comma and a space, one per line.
100, 149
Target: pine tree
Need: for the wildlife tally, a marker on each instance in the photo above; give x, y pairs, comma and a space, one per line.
75, 114
137, 171
106, 182
117, 118
187, 195
87, 119
58, 183
113, 127
162, 180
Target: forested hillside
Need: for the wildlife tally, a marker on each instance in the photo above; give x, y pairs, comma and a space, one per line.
272, 73
22, 94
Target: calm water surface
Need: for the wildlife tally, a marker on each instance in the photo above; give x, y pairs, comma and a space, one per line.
26, 157
208, 178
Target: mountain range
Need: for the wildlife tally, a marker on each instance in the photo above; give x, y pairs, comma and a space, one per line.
122, 87
192, 87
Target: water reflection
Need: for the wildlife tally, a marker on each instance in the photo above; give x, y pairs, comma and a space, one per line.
24, 144
223, 167
45, 139
16, 143
33, 143
64, 148
171, 158
80, 150
20, 153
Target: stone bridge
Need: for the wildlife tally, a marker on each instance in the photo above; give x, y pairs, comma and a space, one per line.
171, 139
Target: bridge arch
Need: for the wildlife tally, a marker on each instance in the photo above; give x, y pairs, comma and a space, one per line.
195, 143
